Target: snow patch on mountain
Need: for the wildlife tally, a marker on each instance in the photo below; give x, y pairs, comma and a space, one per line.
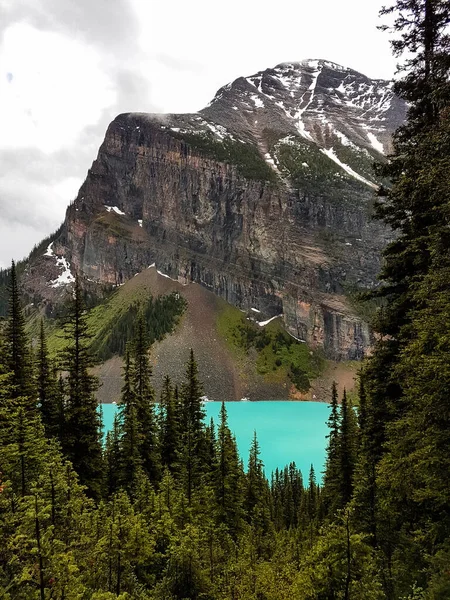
66, 276
332, 155
258, 102
375, 142
49, 251
264, 323
114, 209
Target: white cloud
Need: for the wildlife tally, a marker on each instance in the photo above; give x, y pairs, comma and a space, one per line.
246, 36
52, 88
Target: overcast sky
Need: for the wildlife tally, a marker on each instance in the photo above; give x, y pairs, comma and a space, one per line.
68, 67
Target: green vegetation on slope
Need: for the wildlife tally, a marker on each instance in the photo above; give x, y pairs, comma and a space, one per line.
245, 157
313, 171
112, 323
278, 355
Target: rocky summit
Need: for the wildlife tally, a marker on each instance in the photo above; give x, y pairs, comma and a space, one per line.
263, 197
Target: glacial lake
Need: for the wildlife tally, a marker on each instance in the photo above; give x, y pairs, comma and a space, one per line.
286, 431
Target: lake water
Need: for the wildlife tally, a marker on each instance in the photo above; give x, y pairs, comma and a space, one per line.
286, 431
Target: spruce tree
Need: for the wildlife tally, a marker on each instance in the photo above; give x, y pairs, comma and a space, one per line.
18, 357
332, 478
47, 388
193, 450
255, 477
347, 451
421, 27
113, 456
399, 472
227, 478
170, 427
145, 400
82, 441
130, 460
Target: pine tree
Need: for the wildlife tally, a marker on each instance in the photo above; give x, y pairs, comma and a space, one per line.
192, 397
47, 389
170, 427
18, 358
227, 477
347, 451
113, 458
192, 457
332, 479
400, 467
312, 494
406, 207
255, 477
145, 399
130, 460
257, 504
82, 441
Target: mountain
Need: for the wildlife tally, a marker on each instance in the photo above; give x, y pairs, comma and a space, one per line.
263, 197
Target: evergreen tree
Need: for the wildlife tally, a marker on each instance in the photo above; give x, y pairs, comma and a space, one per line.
82, 441
145, 399
332, 479
399, 413
113, 457
170, 427
18, 357
192, 455
255, 480
130, 460
192, 398
257, 505
421, 26
47, 389
348, 439
227, 477
362, 408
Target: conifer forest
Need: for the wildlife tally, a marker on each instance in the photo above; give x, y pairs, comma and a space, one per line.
165, 508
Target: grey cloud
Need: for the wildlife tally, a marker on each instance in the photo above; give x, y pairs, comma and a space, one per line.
27, 176
108, 23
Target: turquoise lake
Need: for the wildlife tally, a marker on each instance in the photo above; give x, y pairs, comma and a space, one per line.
286, 431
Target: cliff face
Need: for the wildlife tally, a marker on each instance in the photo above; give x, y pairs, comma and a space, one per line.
267, 207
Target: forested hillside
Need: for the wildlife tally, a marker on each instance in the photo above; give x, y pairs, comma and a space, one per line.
166, 510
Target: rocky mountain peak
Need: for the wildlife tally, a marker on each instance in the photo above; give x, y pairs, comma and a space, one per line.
315, 100
263, 197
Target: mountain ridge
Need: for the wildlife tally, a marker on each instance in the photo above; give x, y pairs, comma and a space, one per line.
263, 197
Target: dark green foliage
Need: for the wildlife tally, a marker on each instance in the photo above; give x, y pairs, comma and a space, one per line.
113, 460
49, 394
332, 478
278, 352
245, 157
227, 477
81, 440
287, 496
347, 448
312, 172
18, 356
144, 403
399, 492
160, 315
192, 428
170, 427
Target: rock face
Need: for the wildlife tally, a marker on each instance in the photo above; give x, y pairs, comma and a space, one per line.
264, 197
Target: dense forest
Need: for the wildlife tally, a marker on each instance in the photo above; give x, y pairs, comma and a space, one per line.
166, 509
